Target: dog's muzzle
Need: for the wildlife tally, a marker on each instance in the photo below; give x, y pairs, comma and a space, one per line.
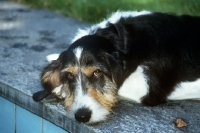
83, 115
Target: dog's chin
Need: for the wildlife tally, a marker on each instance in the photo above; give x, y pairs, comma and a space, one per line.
94, 123
100, 120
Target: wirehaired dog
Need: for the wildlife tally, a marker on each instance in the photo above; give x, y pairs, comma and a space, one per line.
146, 57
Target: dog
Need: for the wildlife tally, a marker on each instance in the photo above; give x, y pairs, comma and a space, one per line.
147, 57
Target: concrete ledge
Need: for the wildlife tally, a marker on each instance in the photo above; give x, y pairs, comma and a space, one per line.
28, 35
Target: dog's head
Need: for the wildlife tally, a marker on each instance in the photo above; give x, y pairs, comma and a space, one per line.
87, 73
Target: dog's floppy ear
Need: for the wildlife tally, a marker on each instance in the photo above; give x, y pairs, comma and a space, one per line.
50, 79
111, 30
115, 66
117, 29
119, 40
117, 35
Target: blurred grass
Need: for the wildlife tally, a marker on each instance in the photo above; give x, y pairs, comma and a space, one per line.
93, 11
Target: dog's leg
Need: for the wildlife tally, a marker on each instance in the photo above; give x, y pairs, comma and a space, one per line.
186, 90
161, 80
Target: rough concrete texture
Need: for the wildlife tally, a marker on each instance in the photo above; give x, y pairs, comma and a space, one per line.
28, 35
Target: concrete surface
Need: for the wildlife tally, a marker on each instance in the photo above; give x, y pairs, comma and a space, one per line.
28, 35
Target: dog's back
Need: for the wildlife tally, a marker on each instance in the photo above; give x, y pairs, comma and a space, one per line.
167, 48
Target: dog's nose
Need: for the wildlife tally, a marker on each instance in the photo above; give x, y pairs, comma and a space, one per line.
83, 115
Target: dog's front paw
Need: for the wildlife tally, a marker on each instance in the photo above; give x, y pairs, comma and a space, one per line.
59, 92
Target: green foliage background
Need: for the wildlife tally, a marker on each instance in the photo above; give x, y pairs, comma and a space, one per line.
93, 11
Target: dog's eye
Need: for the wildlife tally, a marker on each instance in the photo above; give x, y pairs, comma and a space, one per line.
97, 73
70, 76
67, 75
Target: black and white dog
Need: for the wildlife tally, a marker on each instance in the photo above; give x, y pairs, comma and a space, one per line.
146, 57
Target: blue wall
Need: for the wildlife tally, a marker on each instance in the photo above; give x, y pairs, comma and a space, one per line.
14, 118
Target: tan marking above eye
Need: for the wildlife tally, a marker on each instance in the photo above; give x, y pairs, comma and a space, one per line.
89, 71
70, 71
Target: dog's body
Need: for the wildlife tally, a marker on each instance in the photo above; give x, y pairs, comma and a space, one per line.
147, 57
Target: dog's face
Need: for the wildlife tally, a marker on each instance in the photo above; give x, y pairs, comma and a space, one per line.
85, 77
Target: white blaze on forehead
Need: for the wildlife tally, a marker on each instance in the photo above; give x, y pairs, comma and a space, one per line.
78, 51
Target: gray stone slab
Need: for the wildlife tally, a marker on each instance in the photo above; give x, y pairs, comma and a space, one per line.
28, 35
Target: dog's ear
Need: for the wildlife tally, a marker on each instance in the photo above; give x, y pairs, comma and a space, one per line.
50, 79
38, 96
117, 29
111, 30
114, 33
117, 35
115, 66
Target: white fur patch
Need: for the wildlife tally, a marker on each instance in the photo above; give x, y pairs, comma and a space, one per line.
80, 34
186, 90
77, 51
135, 86
52, 57
83, 100
59, 92
114, 18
